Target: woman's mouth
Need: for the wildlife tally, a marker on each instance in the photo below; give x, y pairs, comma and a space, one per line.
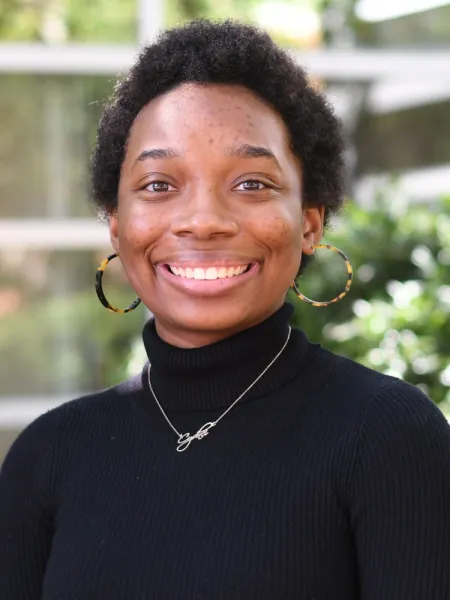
208, 281
209, 273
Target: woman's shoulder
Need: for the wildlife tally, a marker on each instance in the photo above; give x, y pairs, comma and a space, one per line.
62, 422
388, 429
111, 400
371, 394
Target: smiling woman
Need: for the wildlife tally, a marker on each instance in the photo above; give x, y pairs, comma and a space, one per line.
243, 461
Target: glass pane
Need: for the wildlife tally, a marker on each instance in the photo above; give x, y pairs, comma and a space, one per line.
408, 137
396, 133
387, 27
48, 131
56, 339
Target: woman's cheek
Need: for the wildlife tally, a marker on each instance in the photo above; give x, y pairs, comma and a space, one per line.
140, 230
280, 231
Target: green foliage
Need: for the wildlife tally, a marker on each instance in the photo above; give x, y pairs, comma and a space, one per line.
64, 20
68, 344
115, 21
178, 11
102, 20
110, 20
396, 317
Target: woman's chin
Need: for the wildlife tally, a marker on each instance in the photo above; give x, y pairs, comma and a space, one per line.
199, 324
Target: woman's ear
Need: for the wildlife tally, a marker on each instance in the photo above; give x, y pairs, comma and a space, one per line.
114, 231
313, 222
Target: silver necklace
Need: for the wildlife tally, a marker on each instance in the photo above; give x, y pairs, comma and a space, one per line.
185, 439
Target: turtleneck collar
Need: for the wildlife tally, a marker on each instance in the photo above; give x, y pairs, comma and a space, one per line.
213, 376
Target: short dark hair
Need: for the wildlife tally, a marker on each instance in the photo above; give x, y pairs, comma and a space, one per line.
229, 52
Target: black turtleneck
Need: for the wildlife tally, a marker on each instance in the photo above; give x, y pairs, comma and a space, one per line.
327, 481
213, 376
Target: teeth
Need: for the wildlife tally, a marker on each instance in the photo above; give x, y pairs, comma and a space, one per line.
209, 273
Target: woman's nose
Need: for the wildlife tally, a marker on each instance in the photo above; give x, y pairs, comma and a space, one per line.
205, 217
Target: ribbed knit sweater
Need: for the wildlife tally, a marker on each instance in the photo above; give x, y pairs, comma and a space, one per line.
328, 481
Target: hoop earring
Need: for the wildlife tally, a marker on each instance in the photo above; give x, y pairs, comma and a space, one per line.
347, 285
99, 289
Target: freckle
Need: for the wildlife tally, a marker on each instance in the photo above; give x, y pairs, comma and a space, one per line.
211, 141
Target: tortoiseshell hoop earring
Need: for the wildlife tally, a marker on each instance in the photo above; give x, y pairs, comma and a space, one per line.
99, 289
347, 286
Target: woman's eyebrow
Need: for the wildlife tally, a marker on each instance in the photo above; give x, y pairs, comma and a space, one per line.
248, 151
243, 151
157, 153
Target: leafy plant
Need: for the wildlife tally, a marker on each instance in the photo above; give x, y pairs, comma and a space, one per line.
396, 317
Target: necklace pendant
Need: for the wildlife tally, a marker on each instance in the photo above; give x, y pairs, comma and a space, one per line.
184, 441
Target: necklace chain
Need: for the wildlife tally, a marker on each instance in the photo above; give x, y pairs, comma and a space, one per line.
185, 439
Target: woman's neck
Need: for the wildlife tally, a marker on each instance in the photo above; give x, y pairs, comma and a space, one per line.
213, 376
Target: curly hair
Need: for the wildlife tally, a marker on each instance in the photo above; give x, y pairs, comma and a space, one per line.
207, 52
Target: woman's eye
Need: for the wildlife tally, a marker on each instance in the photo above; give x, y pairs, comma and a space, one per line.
251, 185
158, 186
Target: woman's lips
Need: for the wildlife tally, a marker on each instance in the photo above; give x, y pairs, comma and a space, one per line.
201, 282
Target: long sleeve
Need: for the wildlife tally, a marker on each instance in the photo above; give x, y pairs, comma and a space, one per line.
25, 519
400, 498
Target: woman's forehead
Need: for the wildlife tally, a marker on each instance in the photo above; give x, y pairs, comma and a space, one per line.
220, 115
211, 97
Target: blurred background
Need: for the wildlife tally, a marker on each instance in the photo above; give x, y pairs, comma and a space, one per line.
385, 65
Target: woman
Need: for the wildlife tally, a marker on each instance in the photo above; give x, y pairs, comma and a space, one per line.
244, 462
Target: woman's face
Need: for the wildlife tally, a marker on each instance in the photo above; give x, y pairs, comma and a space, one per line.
209, 225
